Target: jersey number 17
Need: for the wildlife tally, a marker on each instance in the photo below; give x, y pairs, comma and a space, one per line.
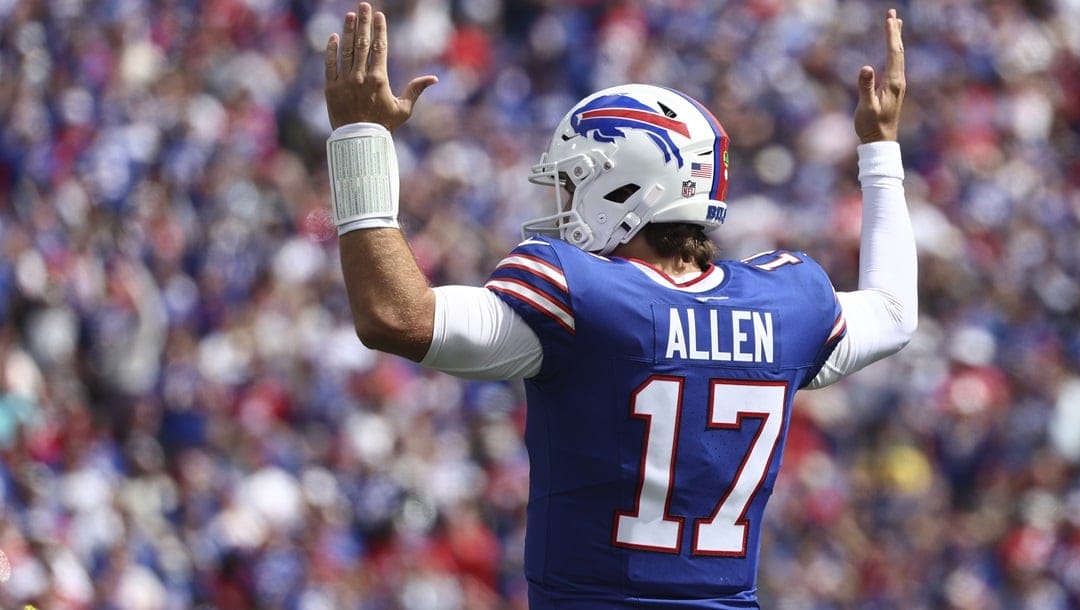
650, 525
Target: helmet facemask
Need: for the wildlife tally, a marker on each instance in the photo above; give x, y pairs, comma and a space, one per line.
571, 177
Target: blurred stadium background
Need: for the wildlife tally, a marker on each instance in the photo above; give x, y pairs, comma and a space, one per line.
186, 417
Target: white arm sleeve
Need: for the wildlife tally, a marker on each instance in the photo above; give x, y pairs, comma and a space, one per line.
478, 336
881, 315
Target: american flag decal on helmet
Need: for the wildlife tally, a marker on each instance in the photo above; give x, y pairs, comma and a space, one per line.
701, 170
718, 179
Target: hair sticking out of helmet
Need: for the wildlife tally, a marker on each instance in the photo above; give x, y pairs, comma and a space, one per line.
629, 156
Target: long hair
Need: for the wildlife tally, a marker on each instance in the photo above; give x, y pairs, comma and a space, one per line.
682, 239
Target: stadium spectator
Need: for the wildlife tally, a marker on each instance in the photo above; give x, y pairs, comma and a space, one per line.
173, 151
652, 457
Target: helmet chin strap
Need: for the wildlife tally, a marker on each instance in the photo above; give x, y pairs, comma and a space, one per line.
622, 233
628, 226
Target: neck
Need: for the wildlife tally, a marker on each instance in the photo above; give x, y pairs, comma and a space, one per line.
640, 249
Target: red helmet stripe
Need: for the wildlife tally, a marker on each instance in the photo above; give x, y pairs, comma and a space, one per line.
639, 115
718, 190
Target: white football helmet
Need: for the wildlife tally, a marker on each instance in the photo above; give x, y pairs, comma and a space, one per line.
631, 155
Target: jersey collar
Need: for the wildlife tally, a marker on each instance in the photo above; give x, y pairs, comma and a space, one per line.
709, 279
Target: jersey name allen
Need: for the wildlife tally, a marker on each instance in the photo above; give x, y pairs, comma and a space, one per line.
719, 335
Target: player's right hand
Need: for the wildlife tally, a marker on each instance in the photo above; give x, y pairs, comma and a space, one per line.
358, 91
877, 116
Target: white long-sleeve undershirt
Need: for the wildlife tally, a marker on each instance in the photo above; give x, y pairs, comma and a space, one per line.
477, 335
882, 314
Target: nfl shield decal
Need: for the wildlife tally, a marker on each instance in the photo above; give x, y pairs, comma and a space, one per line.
689, 187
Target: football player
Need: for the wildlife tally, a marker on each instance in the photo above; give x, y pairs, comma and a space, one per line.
659, 382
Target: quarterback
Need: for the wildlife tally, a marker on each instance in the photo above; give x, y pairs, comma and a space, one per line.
659, 380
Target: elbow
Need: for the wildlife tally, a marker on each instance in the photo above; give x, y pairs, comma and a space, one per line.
402, 325
903, 319
392, 336
909, 322
905, 332
911, 325
373, 334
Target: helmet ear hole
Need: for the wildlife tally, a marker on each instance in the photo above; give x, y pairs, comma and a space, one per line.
621, 194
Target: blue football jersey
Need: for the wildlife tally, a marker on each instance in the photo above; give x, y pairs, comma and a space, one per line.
656, 424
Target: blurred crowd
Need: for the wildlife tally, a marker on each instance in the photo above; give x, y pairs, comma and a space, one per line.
187, 419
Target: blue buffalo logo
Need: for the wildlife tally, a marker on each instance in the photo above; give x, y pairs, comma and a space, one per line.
606, 118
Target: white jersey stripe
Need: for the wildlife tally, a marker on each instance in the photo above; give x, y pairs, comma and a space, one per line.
536, 266
838, 327
542, 302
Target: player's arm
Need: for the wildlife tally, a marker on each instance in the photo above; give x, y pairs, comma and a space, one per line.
882, 314
479, 336
460, 330
392, 304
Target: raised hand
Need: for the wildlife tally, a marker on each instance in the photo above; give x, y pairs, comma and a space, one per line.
359, 90
877, 116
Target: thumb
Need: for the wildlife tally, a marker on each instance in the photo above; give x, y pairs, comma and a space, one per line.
417, 86
866, 84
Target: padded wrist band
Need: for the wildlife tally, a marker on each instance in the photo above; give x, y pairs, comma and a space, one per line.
363, 177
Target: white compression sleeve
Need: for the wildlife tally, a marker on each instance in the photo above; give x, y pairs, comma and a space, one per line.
478, 336
882, 314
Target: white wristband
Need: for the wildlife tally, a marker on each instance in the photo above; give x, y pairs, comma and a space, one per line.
363, 177
880, 159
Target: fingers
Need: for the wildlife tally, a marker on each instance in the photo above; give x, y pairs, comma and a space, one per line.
363, 39
358, 89
348, 35
894, 58
354, 43
415, 87
379, 45
331, 58
866, 86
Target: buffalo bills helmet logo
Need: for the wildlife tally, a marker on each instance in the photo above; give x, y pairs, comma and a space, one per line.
605, 118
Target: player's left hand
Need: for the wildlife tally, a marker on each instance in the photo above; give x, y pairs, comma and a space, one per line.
359, 90
877, 116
